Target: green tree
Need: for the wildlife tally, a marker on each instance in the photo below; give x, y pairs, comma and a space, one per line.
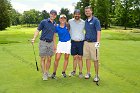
102, 12
15, 17
31, 17
81, 5
136, 13
124, 12
5, 11
66, 11
44, 14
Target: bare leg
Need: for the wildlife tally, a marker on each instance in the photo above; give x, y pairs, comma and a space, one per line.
43, 59
57, 58
75, 62
48, 64
66, 59
96, 66
88, 65
80, 63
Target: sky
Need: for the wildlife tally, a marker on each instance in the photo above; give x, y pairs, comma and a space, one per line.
22, 5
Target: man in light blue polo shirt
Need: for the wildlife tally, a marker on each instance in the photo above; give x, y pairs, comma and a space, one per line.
77, 40
47, 39
91, 44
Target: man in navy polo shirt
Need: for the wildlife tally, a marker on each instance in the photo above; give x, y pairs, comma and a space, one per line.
47, 40
91, 44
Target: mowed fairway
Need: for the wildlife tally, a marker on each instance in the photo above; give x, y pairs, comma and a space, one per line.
119, 65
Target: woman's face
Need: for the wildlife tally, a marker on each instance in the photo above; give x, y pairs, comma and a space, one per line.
62, 20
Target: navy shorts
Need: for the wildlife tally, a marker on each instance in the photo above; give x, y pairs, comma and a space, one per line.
77, 47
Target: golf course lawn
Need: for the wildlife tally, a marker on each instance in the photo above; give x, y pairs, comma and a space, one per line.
119, 65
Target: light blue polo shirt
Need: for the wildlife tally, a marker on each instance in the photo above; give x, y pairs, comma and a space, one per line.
63, 33
77, 29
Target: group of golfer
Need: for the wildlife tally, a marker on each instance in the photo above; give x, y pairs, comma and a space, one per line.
77, 37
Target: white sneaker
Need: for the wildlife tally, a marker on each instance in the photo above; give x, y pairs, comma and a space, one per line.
49, 75
80, 75
87, 76
45, 77
72, 74
96, 79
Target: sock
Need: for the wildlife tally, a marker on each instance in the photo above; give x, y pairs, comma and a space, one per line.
54, 73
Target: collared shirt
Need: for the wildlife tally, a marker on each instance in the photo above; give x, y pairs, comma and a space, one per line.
91, 28
77, 29
48, 29
63, 33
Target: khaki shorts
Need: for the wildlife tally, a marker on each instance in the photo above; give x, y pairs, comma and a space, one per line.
90, 52
46, 48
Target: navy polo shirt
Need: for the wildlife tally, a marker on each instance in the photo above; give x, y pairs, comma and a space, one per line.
63, 33
48, 29
91, 28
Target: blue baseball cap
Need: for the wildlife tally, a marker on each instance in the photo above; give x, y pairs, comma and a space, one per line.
76, 11
53, 11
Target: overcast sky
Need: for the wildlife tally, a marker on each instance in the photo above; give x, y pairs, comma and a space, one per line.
22, 5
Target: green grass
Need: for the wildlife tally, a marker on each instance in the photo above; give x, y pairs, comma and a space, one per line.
119, 65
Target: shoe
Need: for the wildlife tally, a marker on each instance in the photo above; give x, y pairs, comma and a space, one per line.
64, 74
87, 76
96, 78
53, 76
45, 77
49, 75
72, 74
80, 75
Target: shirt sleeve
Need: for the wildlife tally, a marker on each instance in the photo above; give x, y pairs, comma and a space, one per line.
40, 27
56, 28
97, 25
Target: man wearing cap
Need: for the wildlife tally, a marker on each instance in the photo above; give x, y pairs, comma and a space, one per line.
47, 42
77, 40
92, 42
63, 46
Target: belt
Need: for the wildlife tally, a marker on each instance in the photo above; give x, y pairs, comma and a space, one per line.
76, 41
49, 41
89, 40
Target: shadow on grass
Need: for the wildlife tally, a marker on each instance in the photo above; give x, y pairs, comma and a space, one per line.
8, 42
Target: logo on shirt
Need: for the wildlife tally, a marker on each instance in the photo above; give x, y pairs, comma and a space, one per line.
90, 23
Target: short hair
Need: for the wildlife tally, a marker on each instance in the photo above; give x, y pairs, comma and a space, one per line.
88, 7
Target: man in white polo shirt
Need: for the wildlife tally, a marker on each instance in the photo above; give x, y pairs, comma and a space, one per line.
77, 40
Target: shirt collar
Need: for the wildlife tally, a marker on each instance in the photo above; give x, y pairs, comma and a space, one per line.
90, 20
61, 27
50, 21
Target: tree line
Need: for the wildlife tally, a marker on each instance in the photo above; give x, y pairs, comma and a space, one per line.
110, 12
114, 12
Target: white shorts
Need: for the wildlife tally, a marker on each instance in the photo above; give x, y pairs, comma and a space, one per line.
64, 47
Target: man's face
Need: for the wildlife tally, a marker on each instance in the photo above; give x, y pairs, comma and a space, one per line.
52, 16
88, 12
77, 16
62, 20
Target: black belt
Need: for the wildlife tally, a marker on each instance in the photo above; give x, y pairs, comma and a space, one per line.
76, 41
49, 41
89, 40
